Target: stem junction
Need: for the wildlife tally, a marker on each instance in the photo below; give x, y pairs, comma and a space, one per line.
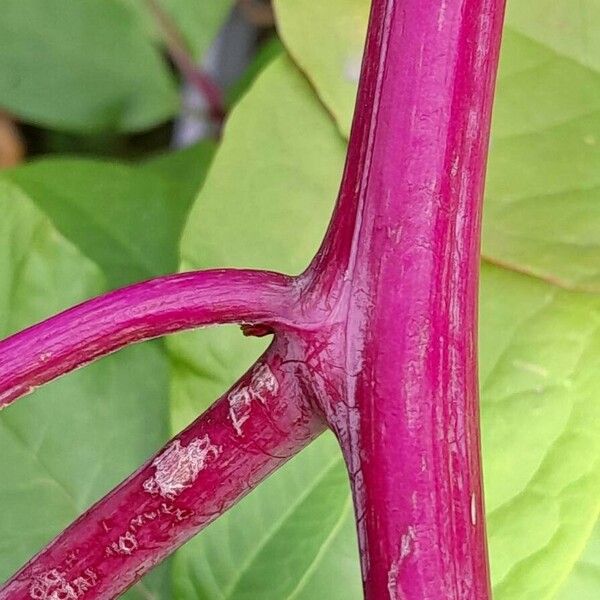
376, 339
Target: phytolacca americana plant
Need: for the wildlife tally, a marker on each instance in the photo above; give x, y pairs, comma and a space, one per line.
376, 339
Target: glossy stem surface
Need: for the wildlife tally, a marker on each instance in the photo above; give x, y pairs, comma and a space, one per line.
378, 336
256, 427
146, 310
403, 251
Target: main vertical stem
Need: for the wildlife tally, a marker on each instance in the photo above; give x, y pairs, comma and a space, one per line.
405, 242
394, 289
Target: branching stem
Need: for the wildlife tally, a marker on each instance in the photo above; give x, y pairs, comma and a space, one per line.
140, 312
377, 338
403, 252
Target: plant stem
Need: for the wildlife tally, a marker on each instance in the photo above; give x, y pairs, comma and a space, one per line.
146, 310
179, 54
256, 427
402, 253
378, 335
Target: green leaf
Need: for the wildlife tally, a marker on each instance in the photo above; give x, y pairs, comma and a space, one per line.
540, 376
541, 213
292, 532
81, 66
561, 26
584, 581
197, 22
189, 164
540, 372
279, 167
331, 53
68, 443
268, 51
127, 219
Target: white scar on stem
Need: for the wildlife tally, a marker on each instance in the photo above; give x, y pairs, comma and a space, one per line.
178, 466
262, 384
53, 585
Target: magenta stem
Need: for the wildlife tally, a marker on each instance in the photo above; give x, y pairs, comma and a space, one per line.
252, 430
378, 336
146, 310
402, 253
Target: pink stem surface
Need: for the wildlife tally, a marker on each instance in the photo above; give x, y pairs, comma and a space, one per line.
255, 428
378, 337
142, 311
406, 234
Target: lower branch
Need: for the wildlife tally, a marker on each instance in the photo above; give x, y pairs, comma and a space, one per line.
257, 426
164, 305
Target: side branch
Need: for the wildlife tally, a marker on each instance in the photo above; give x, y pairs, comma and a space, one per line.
146, 310
257, 426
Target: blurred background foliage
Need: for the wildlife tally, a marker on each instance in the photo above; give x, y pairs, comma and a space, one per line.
105, 77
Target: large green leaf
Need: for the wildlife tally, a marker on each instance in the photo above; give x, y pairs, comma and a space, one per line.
127, 219
543, 185
540, 372
94, 65
326, 40
81, 66
269, 50
540, 376
544, 169
566, 28
281, 134
67, 444
584, 581
290, 534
